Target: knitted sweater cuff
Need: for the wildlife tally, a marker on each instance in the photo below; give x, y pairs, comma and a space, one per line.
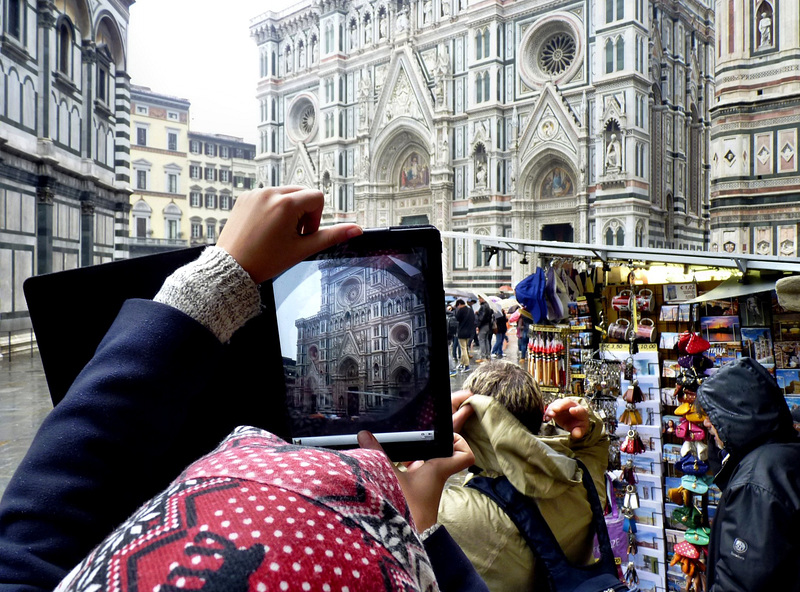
215, 291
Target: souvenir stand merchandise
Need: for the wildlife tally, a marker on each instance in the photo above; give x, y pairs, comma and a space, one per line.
637, 345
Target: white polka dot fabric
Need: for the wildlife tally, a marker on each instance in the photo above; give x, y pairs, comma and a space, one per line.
258, 514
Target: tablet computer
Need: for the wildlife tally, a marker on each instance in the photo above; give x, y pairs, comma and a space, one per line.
406, 399
363, 343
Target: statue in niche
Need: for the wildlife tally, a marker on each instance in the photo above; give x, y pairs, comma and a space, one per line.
765, 30
301, 56
314, 51
368, 32
480, 174
444, 148
365, 163
353, 36
288, 59
427, 12
613, 153
382, 26
402, 20
363, 96
445, 8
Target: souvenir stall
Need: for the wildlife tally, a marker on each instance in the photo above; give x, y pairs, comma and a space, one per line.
636, 333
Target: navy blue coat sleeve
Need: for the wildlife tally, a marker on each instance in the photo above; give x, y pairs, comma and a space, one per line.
454, 572
82, 476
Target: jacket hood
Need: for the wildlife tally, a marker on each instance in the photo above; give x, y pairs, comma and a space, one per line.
746, 407
537, 467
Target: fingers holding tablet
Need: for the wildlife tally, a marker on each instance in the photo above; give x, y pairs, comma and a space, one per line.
273, 228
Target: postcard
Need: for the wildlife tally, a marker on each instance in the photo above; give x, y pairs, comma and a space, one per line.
721, 329
757, 344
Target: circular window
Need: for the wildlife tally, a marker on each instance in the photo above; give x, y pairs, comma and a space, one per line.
551, 50
350, 292
557, 54
401, 334
302, 119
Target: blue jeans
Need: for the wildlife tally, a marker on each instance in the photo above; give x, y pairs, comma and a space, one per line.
456, 348
522, 343
499, 340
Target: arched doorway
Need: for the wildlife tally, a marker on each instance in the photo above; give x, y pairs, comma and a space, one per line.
349, 388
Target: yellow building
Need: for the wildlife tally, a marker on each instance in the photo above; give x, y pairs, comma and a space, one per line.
159, 172
220, 168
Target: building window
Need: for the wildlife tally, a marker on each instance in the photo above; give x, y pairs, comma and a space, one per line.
14, 20
172, 141
211, 201
142, 110
195, 171
482, 87
172, 229
225, 176
102, 84
64, 48
224, 152
141, 180
172, 115
620, 54
194, 147
211, 149
141, 136
225, 202
172, 183
210, 174
211, 230
195, 199
197, 230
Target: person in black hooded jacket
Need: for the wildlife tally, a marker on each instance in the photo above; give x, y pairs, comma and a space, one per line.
755, 535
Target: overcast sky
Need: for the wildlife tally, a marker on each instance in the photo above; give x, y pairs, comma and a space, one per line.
201, 50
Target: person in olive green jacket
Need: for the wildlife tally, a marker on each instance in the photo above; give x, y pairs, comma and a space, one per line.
500, 414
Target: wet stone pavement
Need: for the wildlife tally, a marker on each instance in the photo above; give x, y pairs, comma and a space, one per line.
25, 401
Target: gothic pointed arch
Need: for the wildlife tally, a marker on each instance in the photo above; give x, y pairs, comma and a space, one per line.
404, 97
550, 126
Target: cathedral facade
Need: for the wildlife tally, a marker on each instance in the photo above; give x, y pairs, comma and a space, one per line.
583, 121
366, 350
755, 118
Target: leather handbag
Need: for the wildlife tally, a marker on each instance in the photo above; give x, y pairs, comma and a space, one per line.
691, 465
689, 431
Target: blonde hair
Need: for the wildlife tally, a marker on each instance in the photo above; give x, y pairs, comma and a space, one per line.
512, 386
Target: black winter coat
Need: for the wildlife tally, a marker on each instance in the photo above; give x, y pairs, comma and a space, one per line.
466, 322
755, 536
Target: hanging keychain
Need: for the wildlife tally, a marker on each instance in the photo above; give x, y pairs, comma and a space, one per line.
631, 499
631, 577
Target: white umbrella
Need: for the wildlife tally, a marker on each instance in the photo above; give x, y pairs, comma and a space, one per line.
494, 303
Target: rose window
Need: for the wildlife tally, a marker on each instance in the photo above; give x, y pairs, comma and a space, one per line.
401, 334
552, 50
557, 54
307, 119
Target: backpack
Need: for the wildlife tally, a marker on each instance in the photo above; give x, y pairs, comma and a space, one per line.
452, 326
562, 576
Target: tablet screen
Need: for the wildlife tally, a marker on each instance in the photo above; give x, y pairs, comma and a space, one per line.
359, 340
